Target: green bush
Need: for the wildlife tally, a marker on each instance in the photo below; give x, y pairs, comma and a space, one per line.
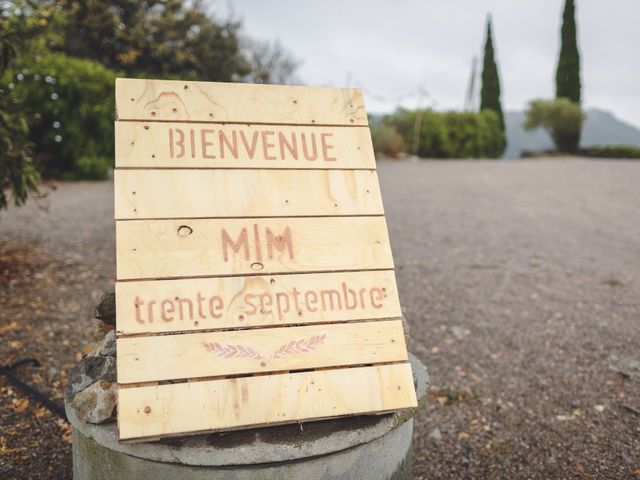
69, 104
611, 151
387, 141
561, 118
90, 168
451, 134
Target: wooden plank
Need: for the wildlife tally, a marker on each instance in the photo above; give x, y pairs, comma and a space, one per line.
225, 404
198, 145
194, 304
148, 249
245, 193
234, 102
234, 352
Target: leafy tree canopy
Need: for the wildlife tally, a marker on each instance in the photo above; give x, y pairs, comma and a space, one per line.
561, 117
161, 38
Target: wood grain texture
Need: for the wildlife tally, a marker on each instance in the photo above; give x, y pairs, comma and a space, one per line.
234, 352
255, 301
234, 102
226, 404
245, 193
169, 145
148, 249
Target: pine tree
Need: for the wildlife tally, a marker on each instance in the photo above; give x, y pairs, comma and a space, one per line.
490, 90
568, 72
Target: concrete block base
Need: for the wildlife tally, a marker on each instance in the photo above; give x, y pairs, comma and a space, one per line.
362, 447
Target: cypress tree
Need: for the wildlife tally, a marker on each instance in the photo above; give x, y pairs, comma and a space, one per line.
568, 72
490, 90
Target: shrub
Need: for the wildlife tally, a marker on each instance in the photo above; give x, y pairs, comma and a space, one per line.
387, 141
611, 151
561, 118
69, 103
89, 168
451, 134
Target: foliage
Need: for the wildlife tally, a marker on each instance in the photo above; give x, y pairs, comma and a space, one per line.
490, 91
451, 134
17, 172
561, 118
70, 106
568, 71
159, 38
387, 141
61, 86
90, 168
611, 151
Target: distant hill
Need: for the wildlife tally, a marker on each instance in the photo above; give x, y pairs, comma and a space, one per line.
600, 128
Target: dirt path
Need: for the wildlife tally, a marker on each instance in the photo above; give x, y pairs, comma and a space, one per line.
521, 281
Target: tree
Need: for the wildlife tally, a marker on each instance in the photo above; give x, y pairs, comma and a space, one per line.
161, 38
17, 172
561, 118
269, 63
490, 90
568, 71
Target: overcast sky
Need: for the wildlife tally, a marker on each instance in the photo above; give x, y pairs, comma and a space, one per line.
391, 48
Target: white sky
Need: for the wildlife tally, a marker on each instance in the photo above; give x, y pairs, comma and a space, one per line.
391, 48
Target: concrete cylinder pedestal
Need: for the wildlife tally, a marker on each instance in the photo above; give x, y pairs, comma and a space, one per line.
359, 447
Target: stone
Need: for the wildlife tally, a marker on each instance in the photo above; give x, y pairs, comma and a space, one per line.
92, 383
109, 344
435, 435
88, 371
106, 309
97, 402
456, 331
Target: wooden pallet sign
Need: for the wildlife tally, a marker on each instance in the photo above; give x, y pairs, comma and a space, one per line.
255, 282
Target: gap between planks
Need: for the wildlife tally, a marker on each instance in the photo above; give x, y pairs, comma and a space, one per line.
255, 374
119, 334
249, 218
284, 124
250, 168
257, 274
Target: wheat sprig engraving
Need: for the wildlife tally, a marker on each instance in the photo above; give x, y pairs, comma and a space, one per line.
302, 345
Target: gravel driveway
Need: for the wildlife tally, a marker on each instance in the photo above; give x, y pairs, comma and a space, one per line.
520, 280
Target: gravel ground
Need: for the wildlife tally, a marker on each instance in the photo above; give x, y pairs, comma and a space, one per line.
521, 282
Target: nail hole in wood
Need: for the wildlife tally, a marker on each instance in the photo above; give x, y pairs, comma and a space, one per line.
153, 114
146, 127
184, 230
147, 410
